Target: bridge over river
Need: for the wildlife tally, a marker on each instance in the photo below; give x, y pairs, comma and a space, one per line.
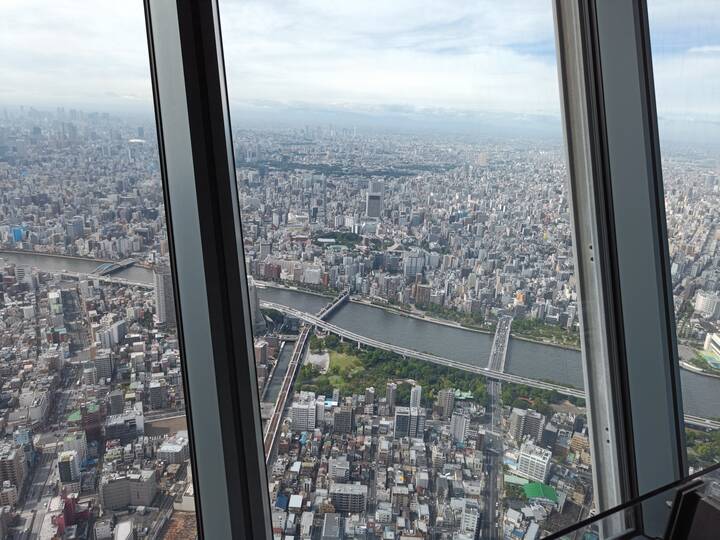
497, 359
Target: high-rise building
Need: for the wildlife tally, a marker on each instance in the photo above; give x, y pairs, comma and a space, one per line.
164, 296
104, 364
707, 304
176, 449
446, 402
534, 462
343, 419
409, 422
158, 394
391, 394
319, 411
261, 352
116, 401
12, 465
339, 469
526, 422
303, 412
118, 491
374, 199
459, 426
258, 320
417, 423
470, 517
416, 396
349, 498
76, 442
68, 467
402, 422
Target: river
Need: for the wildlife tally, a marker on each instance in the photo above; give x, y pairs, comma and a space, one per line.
55, 263
701, 395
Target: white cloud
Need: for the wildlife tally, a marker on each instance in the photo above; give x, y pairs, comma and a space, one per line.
478, 55
493, 56
89, 53
475, 55
686, 58
705, 49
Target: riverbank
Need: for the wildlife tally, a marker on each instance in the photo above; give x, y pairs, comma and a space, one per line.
274, 285
395, 310
454, 324
541, 342
25, 252
700, 371
411, 315
689, 358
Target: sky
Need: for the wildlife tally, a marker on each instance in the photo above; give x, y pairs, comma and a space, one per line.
448, 58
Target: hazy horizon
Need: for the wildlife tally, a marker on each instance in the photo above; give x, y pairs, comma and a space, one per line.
477, 66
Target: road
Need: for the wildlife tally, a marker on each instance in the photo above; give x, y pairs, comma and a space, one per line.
493, 447
40, 489
492, 465
273, 425
41, 482
493, 374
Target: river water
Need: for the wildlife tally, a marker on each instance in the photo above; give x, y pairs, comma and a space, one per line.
701, 394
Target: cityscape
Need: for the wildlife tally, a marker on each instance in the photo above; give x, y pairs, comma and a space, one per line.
394, 279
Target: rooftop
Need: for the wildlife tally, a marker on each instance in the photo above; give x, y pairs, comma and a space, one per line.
537, 490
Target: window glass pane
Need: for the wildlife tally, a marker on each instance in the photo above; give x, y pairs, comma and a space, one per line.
686, 65
405, 214
94, 439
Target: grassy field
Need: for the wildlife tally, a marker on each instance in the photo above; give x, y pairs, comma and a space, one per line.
343, 366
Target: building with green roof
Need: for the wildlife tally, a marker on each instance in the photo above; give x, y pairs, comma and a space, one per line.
537, 490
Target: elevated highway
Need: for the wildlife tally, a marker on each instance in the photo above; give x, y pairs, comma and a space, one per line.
410, 353
272, 428
493, 374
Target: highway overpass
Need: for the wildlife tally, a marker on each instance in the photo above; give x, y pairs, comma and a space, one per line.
493, 374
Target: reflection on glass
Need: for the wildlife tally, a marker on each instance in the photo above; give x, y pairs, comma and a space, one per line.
406, 227
686, 64
627, 518
95, 442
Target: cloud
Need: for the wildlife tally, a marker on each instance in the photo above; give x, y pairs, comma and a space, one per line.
479, 55
64, 52
686, 58
460, 55
705, 49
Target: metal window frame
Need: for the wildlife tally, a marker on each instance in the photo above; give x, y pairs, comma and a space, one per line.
207, 259
630, 351
620, 239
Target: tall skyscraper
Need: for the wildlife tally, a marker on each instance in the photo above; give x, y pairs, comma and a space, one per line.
417, 422
459, 426
164, 297
374, 199
409, 422
416, 396
402, 422
391, 394
258, 321
446, 402
526, 422
68, 467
